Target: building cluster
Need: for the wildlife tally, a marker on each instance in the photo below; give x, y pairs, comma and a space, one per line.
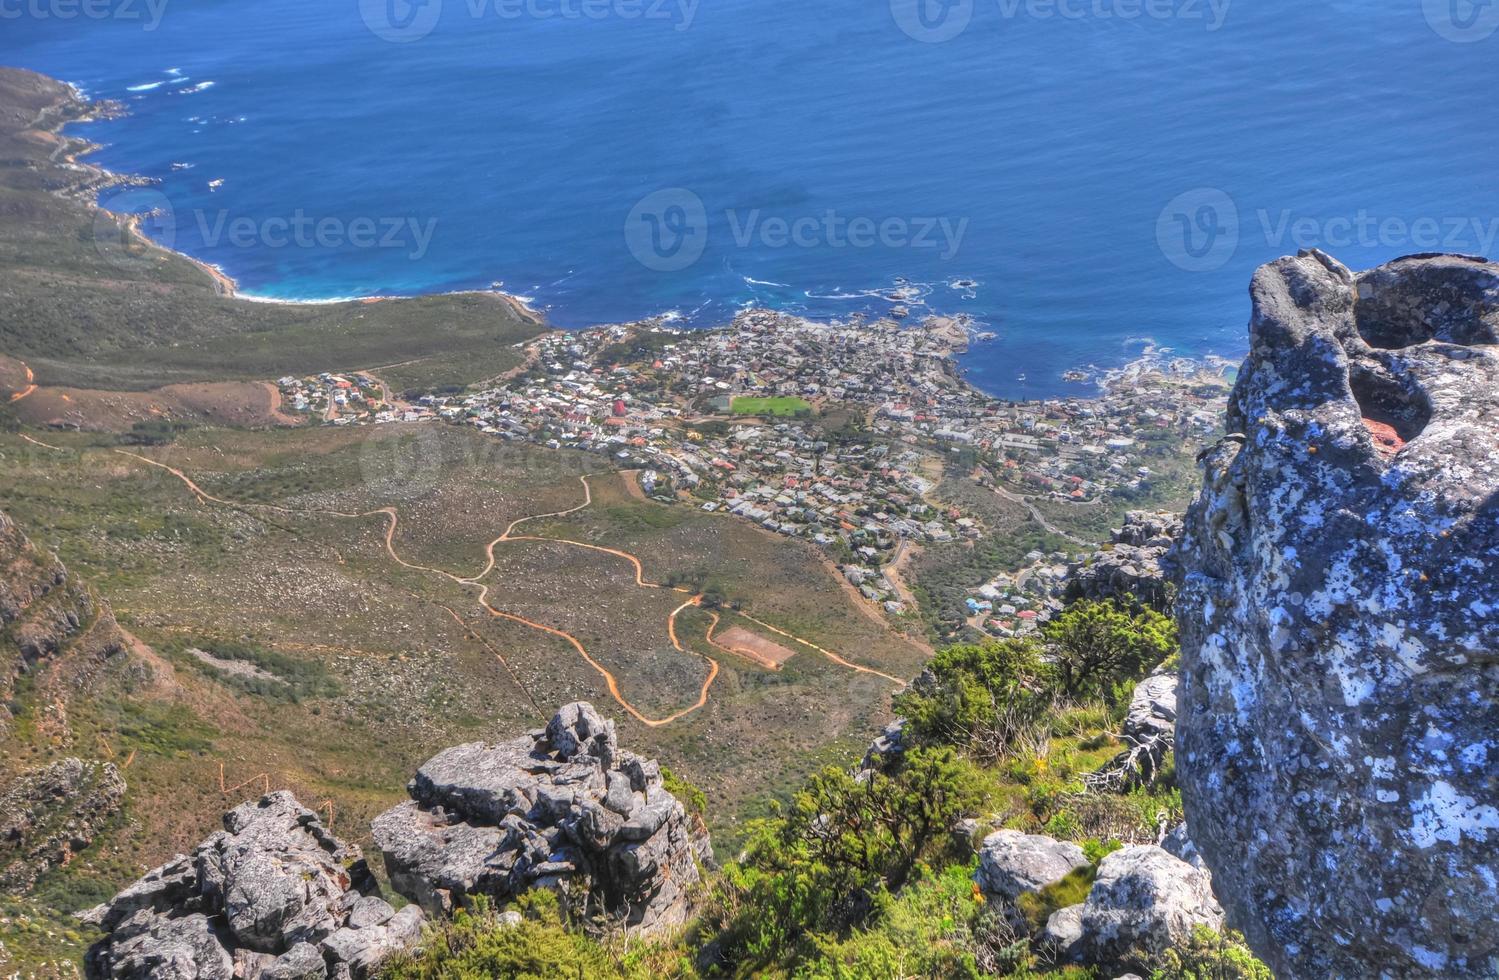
876, 412
345, 399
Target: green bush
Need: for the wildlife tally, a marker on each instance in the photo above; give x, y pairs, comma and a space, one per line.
1099, 647
476, 945
1209, 955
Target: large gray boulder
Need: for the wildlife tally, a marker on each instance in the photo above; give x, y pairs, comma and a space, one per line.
273, 895
1012, 863
563, 808
1340, 624
1143, 901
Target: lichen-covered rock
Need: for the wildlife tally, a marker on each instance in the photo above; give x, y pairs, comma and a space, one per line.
1142, 902
564, 808
1339, 615
1137, 563
1012, 863
273, 895
48, 815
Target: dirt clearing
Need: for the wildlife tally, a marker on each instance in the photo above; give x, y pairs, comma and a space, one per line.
766, 653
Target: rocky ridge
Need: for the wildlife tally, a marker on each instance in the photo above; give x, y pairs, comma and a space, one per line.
1137, 563
49, 620
48, 815
1340, 644
273, 896
562, 808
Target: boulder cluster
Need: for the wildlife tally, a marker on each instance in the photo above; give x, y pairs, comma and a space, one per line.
273, 896
1339, 616
276, 896
563, 808
1143, 899
1135, 565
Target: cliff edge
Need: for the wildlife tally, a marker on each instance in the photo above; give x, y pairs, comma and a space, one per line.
1340, 672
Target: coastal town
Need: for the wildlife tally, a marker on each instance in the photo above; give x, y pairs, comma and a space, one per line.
837, 433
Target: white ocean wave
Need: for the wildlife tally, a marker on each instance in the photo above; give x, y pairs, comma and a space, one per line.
145, 87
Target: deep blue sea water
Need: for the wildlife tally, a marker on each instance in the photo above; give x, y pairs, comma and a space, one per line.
1073, 177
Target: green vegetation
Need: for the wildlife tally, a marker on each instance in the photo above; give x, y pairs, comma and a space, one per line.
861, 875
781, 407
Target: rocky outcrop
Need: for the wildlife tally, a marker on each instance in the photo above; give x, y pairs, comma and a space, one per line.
1143, 901
561, 808
48, 815
1336, 745
1149, 733
1012, 863
1136, 564
272, 895
48, 619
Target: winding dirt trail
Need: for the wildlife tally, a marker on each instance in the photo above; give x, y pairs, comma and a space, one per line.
610, 681
30, 383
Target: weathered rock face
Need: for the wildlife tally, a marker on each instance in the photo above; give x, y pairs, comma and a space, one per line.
563, 808
46, 613
1336, 743
273, 895
48, 815
1143, 901
1149, 733
1138, 562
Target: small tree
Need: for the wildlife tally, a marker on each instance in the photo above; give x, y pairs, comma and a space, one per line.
1097, 645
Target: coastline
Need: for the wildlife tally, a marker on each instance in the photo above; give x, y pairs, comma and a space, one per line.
959, 334
73, 150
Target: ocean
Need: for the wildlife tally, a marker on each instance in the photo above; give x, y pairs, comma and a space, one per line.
1082, 178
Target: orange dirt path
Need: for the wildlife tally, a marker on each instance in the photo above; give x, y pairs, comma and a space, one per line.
610, 681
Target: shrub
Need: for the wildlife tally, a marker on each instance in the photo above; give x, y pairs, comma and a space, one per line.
1097, 647
1209, 955
476, 945
991, 699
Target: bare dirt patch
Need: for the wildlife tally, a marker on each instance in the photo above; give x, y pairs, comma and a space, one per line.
765, 652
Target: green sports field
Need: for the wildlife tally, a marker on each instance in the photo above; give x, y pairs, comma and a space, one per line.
785, 406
